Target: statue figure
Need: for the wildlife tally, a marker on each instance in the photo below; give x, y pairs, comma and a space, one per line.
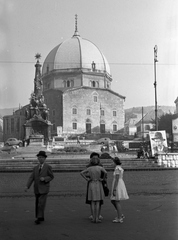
45, 114
37, 111
27, 113
41, 100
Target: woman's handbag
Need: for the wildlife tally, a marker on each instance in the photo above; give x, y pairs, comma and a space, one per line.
105, 188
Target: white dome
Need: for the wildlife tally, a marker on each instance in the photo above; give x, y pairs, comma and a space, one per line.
75, 53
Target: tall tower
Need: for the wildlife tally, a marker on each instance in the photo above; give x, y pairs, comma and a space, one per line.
37, 114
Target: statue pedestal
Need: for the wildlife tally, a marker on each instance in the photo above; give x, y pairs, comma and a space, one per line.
36, 140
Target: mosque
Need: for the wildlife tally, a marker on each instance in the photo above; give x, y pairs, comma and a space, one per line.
72, 94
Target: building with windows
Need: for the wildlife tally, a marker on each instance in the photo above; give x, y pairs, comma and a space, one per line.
130, 128
13, 125
75, 80
77, 89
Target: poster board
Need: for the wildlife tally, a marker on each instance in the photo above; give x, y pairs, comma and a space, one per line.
59, 130
158, 142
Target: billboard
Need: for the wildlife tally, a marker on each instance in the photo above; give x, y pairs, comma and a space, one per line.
158, 142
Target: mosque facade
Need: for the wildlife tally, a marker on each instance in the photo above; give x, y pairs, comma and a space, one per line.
76, 88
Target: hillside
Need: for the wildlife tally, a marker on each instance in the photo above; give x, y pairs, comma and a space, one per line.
130, 113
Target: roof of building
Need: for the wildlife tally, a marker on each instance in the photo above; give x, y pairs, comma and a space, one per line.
85, 87
132, 121
76, 53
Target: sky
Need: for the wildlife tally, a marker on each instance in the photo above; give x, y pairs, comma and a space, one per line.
126, 32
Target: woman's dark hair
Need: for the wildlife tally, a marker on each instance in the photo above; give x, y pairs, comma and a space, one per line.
94, 161
94, 154
117, 161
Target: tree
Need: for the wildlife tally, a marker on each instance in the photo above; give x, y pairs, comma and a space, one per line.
165, 123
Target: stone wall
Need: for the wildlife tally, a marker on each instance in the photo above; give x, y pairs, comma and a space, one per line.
83, 99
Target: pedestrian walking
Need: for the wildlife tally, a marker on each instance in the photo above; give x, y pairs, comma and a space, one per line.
95, 193
41, 176
118, 191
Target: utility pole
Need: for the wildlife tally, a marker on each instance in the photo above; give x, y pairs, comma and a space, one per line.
155, 86
142, 127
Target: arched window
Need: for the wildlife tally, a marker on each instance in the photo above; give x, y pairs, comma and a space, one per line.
95, 96
93, 84
114, 113
74, 110
114, 127
102, 112
74, 124
88, 125
102, 126
68, 83
88, 111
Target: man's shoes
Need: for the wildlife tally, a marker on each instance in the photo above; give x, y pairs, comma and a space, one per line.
37, 222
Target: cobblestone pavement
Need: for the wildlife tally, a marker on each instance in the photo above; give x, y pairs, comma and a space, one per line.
151, 212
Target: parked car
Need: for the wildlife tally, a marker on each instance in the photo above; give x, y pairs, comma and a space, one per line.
13, 142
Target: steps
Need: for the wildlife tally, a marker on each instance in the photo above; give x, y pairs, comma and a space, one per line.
24, 159
71, 164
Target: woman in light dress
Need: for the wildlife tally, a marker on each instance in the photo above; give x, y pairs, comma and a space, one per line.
118, 191
92, 174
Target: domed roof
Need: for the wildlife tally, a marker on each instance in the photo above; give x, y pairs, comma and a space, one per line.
75, 53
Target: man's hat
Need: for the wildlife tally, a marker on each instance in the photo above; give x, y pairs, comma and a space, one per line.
42, 153
158, 135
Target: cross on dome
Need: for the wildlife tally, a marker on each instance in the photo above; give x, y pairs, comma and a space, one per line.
76, 30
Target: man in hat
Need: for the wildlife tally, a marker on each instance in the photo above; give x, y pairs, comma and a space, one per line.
159, 143
41, 176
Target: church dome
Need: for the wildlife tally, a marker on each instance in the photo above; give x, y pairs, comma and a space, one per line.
76, 53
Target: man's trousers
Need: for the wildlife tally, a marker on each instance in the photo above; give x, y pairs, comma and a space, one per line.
40, 204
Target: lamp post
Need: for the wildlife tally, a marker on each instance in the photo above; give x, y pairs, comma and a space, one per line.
155, 86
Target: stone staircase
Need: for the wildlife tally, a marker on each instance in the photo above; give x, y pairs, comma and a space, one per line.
24, 159
72, 164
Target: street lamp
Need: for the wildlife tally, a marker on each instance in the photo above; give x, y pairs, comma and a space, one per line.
155, 85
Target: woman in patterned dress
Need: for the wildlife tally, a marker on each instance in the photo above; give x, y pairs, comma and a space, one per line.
118, 191
92, 174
